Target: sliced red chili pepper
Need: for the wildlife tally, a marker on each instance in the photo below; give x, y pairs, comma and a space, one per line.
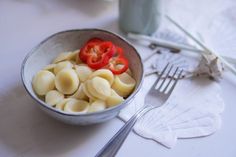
118, 65
97, 54
107, 48
104, 53
119, 52
97, 62
86, 50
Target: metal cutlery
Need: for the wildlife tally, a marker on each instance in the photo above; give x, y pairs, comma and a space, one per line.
161, 89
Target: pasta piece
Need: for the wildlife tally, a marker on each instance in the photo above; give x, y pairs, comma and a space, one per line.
101, 86
43, 82
78, 60
114, 99
60, 105
91, 100
73, 63
86, 91
123, 84
76, 106
104, 73
79, 94
83, 72
53, 97
50, 67
64, 56
62, 65
97, 105
93, 92
67, 81
74, 55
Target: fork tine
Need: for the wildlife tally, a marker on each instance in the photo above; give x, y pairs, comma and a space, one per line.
172, 77
164, 80
173, 86
159, 78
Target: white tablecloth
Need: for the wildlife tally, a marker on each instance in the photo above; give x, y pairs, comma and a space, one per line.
25, 131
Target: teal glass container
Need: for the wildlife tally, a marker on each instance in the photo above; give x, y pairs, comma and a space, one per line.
140, 16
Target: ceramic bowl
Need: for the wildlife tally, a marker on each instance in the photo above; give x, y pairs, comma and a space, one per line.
70, 40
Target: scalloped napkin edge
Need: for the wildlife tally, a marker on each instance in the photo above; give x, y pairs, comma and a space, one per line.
179, 117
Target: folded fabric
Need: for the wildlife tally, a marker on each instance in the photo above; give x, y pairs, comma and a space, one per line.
193, 110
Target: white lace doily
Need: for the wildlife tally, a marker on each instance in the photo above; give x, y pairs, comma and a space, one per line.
193, 109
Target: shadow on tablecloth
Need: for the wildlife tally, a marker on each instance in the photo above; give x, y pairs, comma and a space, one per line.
25, 129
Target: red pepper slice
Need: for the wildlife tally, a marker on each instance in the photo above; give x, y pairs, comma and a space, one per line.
119, 52
86, 51
97, 54
118, 65
107, 48
97, 62
88, 48
101, 58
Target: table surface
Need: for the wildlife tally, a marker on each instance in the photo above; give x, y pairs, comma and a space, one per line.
25, 131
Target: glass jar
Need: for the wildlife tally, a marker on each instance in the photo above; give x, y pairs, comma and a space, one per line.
139, 16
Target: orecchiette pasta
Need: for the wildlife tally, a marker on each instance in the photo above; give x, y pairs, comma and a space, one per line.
62, 65
86, 91
77, 59
65, 56
74, 55
53, 97
60, 105
61, 57
72, 87
93, 92
76, 106
79, 94
67, 81
73, 63
101, 86
97, 105
114, 99
43, 82
83, 72
104, 73
123, 84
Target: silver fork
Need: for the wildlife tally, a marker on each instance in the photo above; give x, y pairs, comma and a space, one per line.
162, 92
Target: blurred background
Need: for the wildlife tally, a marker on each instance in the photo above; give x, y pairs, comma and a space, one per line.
25, 23
29, 21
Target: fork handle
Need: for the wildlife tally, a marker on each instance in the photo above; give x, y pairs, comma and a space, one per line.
114, 144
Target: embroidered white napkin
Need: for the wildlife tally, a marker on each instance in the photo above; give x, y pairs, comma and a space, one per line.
193, 109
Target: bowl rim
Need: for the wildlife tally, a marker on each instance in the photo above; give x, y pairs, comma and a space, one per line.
117, 107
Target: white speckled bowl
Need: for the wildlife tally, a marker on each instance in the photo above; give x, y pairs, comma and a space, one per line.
48, 49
